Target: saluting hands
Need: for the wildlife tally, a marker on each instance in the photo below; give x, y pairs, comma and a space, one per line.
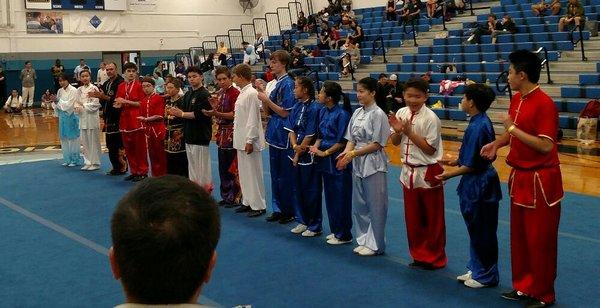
343, 160
315, 151
119, 102
400, 126
174, 111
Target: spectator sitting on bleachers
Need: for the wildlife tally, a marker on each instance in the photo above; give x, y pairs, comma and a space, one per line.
14, 103
542, 8
302, 22
358, 35
382, 91
352, 53
395, 98
250, 56
347, 5
346, 20
335, 7
575, 14
431, 8
222, 53
505, 26
297, 67
324, 40
455, 7
410, 12
335, 37
490, 26
286, 45
390, 10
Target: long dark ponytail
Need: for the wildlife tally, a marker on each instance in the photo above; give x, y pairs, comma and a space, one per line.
334, 90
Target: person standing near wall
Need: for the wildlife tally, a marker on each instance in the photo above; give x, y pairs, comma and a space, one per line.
2, 85
78, 69
56, 70
101, 77
28, 78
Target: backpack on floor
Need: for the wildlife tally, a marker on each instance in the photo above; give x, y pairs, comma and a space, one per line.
587, 124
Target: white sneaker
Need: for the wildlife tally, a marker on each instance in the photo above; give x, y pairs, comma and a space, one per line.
71, 165
366, 252
309, 233
336, 241
64, 164
464, 277
86, 167
358, 249
472, 283
330, 236
93, 167
299, 229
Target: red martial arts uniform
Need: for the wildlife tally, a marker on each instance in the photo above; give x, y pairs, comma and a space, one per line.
154, 105
423, 193
134, 139
535, 187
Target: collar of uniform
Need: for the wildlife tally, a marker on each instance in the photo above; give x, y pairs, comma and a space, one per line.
418, 111
282, 77
246, 87
524, 96
332, 107
370, 107
477, 116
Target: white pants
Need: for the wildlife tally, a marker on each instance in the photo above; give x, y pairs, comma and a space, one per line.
199, 165
90, 139
251, 179
28, 96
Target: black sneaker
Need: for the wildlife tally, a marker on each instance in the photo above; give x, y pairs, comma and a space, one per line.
138, 178
286, 219
534, 303
514, 295
256, 213
230, 205
243, 209
129, 177
275, 216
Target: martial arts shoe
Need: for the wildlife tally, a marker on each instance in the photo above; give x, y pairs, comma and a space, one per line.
357, 249
514, 295
366, 252
71, 165
309, 233
129, 177
138, 178
337, 241
472, 283
330, 236
86, 167
115, 172
464, 277
93, 167
423, 265
243, 209
275, 216
230, 205
534, 303
64, 164
286, 219
299, 229
256, 213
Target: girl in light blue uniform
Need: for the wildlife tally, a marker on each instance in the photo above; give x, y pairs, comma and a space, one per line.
68, 122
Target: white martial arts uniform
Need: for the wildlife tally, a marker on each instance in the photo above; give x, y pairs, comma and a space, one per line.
89, 124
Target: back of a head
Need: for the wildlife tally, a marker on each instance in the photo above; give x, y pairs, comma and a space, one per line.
481, 94
164, 234
526, 61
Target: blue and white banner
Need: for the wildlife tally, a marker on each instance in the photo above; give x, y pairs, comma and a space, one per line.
82, 23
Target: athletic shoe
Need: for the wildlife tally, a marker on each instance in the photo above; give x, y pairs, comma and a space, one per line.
336, 241
86, 167
330, 236
71, 165
534, 303
514, 295
472, 283
93, 167
299, 229
366, 252
357, 249
464, 277
309, 233
64, 164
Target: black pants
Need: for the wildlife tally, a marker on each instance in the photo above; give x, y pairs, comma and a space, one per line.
177, 164
116, 152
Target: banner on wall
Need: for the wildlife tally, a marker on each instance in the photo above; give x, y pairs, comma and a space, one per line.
107, 5
142, 5
44, 22
82, 23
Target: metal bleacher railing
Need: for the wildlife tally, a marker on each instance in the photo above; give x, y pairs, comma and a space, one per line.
579, 40
545, 62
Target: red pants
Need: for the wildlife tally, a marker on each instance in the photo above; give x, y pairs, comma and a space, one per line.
157, 154
425, 224
533, 247
135, 148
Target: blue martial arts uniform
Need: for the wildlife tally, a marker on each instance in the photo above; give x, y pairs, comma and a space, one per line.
282, 200
337, 184
303, 121
479, 194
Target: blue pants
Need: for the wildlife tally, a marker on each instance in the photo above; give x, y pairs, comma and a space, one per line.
308, 201
370, 206
481, 219
282, 183
338, 199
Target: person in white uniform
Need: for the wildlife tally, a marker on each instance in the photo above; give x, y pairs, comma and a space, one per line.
249, 141
89, 122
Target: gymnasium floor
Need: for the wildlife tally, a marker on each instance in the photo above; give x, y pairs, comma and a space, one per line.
54, 226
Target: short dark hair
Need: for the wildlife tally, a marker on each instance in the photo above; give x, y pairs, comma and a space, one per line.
281, 56
382, 75
368, 83
307, 84
481, 95
243, 70
417, 83
222, 70
175, 82
129, 65
62, 76
526, 61
193, 69
164, 234
149, 80
86, 71
27, 62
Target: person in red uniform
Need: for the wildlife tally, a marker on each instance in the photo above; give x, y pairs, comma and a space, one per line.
535, 183
152, 109
129, 96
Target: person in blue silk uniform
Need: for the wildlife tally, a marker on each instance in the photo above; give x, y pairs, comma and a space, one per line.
302, 127
479, 189
278, 105
337, 184
68, 122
